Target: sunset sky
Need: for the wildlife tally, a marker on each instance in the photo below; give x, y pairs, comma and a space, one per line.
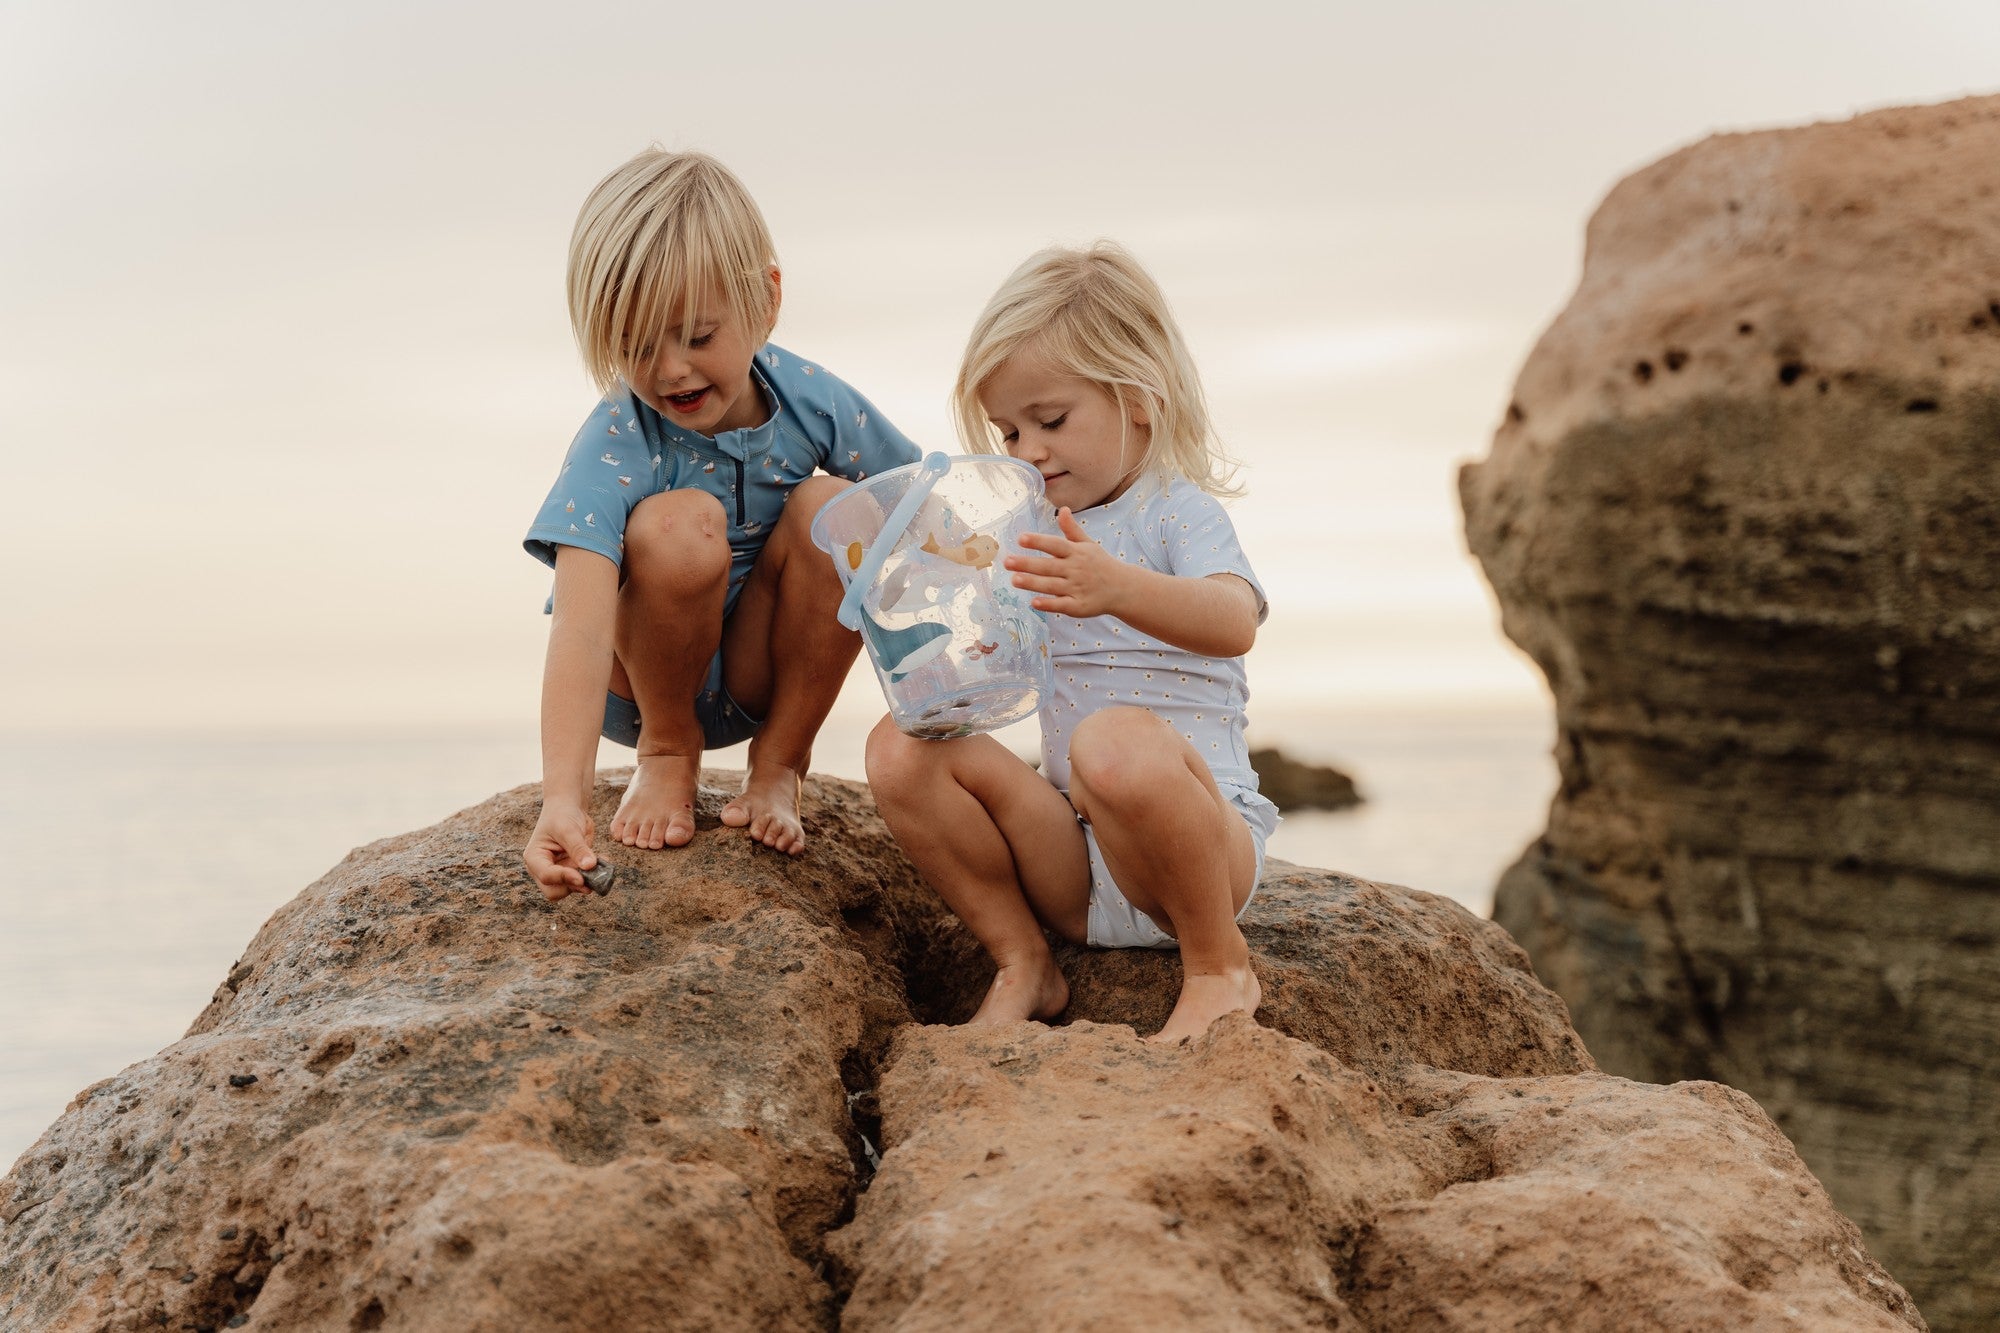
285, 368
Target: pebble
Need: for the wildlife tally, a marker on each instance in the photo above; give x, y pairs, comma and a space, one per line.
599, 877
229, 1233
241, 1080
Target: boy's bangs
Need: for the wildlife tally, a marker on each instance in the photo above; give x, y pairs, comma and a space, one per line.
678, 287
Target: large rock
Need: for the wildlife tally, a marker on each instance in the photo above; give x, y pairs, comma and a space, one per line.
657, 1110
1744, 512
471, 1110
1076, 1178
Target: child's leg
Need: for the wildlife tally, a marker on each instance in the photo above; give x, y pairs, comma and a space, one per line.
1179, 851
1001, 847
784, 656
669, 626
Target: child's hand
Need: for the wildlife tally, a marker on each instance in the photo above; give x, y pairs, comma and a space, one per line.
558, 852
1075, 577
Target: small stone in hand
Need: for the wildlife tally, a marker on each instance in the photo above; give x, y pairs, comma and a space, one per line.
599, 877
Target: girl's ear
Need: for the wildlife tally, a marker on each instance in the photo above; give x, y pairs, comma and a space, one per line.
777, 298
1140, 417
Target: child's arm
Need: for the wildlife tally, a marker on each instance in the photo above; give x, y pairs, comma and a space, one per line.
574, 679
1214, 615
865, 442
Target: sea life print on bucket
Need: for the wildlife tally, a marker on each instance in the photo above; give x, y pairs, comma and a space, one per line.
957, 649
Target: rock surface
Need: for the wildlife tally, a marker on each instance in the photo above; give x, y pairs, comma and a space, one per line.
1078, 1178
1744, 512
1292, 784
475, 1111
654, 1110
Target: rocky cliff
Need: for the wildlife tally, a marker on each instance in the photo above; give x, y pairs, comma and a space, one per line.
426, 1099
1744, 512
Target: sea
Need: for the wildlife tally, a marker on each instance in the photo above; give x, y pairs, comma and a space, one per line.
137, 867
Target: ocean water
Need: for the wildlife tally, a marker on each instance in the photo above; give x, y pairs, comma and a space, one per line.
138, 868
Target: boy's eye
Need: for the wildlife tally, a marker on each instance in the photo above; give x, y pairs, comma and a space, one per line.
1009, 436
701, 341
1051, 425
646, 353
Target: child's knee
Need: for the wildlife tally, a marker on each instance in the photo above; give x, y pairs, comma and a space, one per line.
896, 763
683, 531
1116, 754
807, 497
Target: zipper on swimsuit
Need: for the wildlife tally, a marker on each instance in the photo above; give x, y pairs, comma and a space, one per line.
739, 490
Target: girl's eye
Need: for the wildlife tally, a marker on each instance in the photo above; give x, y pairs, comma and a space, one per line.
1008, 437
1051, 425
702, 341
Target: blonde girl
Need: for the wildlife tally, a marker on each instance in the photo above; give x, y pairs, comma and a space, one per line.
1143, 828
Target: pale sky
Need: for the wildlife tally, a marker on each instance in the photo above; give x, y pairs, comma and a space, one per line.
284, 365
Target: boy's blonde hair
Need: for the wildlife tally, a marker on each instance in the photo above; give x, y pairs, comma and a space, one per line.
661, 235
1096, 314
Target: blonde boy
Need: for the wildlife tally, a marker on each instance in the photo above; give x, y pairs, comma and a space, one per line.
690, 608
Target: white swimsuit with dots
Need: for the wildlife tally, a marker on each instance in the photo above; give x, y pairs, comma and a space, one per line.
1174, 527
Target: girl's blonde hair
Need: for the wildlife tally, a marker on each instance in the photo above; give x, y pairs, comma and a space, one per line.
1096, 314
659, 236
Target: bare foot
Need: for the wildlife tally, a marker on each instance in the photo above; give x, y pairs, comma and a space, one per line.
768, 807
1207, 997
658, 809
1023, 991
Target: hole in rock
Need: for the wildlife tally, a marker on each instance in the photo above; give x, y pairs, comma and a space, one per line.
1921, 405
331, 1054
857, 1075
1788, 374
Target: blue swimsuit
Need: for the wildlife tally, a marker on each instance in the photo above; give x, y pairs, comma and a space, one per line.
626, 451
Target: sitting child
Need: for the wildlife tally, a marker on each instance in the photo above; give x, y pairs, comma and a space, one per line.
691, 609
1144, 828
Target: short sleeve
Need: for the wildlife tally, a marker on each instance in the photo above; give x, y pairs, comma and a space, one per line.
1198, 539
610, 467
865, 443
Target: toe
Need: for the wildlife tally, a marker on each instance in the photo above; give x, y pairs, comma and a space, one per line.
735, 815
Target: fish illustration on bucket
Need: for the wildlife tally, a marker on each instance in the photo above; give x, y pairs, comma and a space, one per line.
957, 647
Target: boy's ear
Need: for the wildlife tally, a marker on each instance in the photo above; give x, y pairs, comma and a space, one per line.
1140, 417
777, 297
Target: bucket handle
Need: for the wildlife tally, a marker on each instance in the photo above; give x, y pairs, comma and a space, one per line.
934, 467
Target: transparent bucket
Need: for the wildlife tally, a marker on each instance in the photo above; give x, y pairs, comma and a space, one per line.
956, 646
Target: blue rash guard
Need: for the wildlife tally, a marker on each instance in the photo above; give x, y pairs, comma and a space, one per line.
626, 451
